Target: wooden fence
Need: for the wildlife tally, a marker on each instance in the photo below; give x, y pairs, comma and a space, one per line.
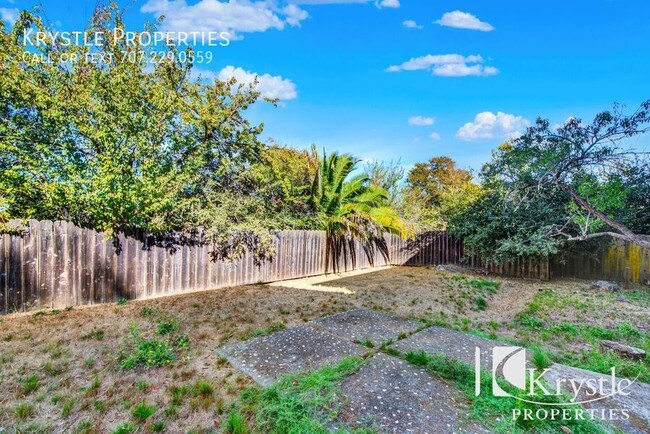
609, 260
57, 264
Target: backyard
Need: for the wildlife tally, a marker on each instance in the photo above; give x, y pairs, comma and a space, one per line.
151, 366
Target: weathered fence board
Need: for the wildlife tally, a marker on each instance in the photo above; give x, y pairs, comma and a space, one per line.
57, 264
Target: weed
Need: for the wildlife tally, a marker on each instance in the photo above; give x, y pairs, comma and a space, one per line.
148, 311
263, 331
84, 427
147, 353
481, 303
178, 394
122, 301
97, 334
166, 327
366, 343
297, 403
142, 385
30, 384
202, 388
89, 363
484, 284
24, 410
158, 426
125, 428
142, 411
99, 405
236, 423
68, 405
540, 358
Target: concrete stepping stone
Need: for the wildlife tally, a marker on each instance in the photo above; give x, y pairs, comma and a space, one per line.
296, 349
457, 345
363, 324
393, 396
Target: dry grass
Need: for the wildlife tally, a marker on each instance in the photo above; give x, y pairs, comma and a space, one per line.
59, 370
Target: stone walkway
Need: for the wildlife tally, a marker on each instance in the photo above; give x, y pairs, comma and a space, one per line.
386, 392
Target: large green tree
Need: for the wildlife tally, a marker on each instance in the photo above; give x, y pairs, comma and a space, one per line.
576, 182
116, 143
436, 191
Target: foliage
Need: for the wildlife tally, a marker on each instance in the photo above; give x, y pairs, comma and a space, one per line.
350, 207
121, 143
436, 191
386, 176
575, 182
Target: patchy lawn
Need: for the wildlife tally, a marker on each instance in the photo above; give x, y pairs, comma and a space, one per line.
150, 365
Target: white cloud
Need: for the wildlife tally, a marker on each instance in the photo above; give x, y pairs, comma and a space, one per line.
462, 70
434, 136
387, 3
421, 121
268, 85
9, 15
411, 24
235, 16
464, 20
294, 15
446, 65
488, 125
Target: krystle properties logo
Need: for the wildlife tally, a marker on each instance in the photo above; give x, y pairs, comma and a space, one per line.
509, 365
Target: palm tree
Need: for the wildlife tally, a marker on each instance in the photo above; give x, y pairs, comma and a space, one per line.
349, 209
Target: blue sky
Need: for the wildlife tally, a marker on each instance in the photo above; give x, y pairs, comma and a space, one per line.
330, 60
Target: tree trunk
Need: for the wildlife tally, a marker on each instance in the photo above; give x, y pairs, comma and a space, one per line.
623, 232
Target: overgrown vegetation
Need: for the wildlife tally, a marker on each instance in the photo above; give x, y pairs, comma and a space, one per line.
303, 403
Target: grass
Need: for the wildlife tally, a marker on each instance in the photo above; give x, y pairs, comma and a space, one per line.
538, 322
31, 384
24, 410
67, 350
263, 331
125, 428
140, 352
142, 411
302, 403
493, 411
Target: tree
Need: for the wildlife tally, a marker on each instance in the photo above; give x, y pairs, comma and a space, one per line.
349, 207
386, 176
586, 162
436, 191
118, 143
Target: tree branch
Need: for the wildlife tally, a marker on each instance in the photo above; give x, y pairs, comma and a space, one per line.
624, 232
